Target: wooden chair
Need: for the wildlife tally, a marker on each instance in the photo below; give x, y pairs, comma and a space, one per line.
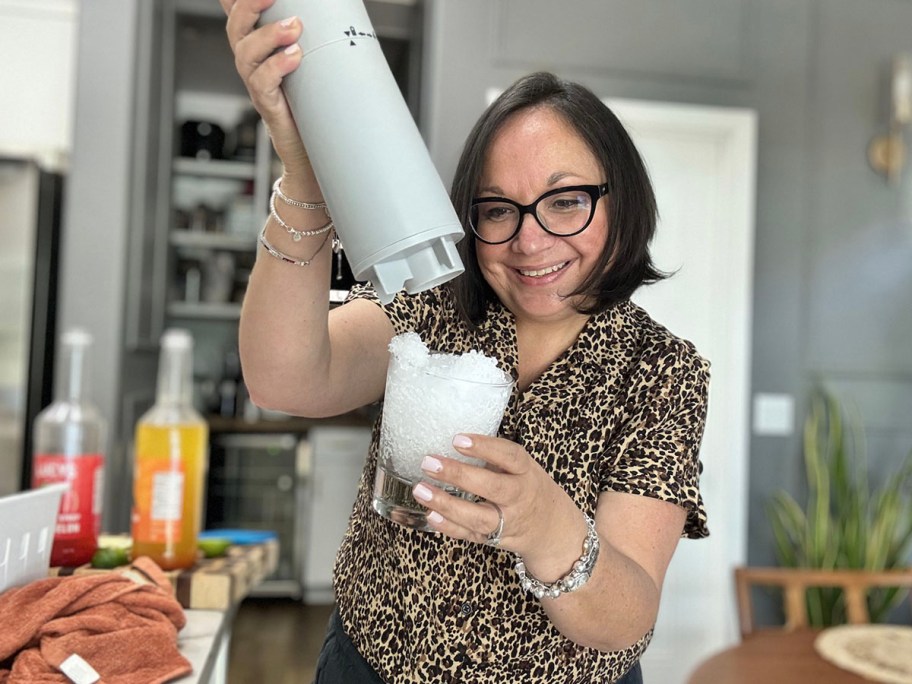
795, 582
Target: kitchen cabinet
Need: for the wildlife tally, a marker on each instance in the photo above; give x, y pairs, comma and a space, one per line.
300, 484
254, 484
336, 460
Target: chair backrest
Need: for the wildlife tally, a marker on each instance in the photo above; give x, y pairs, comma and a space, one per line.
795, 582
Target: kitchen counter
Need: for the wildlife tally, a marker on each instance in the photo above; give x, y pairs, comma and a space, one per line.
213, 583
204, 641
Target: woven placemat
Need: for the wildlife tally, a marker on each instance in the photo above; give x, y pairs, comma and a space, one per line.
881, 653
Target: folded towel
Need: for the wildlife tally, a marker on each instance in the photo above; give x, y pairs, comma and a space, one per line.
123, 624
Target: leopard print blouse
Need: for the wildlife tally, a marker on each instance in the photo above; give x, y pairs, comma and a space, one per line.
622, 409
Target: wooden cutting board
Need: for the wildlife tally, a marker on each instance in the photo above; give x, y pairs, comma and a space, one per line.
213, 583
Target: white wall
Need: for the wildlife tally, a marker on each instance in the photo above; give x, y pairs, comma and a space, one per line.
38, 54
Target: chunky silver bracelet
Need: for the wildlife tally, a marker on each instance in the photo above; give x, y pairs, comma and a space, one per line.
578, 576
291, 260
277, 189
296, 234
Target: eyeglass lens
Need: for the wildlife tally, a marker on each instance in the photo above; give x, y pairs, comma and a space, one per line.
564, 213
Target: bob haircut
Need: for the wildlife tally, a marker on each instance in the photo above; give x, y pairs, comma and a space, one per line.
625, 262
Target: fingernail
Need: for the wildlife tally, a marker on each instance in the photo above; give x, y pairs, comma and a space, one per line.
434, 518
422, 492
431, 464
285, 23
293, 49
462, 441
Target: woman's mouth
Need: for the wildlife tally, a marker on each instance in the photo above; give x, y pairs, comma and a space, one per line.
542, 272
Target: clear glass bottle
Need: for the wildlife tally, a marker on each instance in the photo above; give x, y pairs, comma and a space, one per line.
69, 443
170, 462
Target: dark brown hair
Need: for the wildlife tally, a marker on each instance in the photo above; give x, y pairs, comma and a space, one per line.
625, 262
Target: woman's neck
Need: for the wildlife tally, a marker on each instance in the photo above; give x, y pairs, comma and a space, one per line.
539, 344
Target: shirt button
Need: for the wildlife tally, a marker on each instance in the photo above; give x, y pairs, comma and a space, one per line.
466, 609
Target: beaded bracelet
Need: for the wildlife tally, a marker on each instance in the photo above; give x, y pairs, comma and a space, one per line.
289, 259
578, 576
277, 189
296, 234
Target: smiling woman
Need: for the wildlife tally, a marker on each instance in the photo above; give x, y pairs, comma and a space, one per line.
555, 563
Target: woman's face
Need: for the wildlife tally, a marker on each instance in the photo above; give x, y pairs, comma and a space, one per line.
535, 151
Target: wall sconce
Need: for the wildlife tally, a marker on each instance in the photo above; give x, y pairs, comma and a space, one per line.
887, 152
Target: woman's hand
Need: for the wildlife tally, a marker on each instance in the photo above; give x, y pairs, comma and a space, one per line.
538, 514
542, 524
263, 57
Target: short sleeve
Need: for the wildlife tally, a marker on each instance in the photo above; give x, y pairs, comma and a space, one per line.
656, 451
407, 313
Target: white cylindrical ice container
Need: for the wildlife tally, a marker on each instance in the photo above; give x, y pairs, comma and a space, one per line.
389, 206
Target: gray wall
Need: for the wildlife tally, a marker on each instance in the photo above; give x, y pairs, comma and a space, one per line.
833, 268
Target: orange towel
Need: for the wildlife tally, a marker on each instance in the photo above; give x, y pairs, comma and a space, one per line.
123, 624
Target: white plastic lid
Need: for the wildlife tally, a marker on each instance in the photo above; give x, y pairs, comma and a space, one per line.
177, 338
433, 263
76, 337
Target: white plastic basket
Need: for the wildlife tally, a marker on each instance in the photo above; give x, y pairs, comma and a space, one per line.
27, 522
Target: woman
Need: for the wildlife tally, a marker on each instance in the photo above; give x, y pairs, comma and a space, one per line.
594, 476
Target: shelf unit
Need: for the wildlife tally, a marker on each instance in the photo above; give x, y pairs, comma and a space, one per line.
215, 168
185, 220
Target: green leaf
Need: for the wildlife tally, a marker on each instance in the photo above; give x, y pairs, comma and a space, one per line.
845, 523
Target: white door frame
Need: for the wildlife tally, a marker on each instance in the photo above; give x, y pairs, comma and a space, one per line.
703, 164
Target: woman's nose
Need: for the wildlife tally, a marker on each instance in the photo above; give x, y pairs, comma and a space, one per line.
531, 236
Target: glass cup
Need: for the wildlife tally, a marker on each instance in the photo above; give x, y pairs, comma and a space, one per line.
422, 411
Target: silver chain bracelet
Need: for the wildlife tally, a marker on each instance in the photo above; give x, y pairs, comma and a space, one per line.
296, 234
277, 189
281, 256
578, 576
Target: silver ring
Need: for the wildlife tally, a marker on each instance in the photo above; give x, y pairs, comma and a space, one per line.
493, 539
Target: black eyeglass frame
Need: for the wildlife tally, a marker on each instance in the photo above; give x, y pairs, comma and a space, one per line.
595, 192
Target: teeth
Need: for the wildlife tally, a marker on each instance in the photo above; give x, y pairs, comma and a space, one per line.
544, 271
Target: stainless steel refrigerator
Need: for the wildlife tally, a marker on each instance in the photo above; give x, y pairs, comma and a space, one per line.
30, 211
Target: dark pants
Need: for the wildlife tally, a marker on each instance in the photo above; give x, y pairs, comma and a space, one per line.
340, 662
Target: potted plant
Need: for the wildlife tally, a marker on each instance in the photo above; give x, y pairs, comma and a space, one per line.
847, 523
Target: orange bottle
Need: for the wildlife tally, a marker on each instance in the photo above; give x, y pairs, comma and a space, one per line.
170, 462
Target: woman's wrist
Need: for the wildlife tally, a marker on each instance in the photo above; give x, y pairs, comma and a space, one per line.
570, 580
301, 183
551, 560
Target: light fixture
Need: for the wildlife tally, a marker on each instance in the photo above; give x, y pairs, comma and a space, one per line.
887, 152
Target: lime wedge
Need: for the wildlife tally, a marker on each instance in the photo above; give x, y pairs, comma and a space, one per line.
213, 547
108, 557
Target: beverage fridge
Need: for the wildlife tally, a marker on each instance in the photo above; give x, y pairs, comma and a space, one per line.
30, 211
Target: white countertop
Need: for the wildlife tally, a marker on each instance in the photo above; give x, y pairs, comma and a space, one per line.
204, 642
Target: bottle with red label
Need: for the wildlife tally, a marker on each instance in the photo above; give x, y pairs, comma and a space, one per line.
69, 439
170, 462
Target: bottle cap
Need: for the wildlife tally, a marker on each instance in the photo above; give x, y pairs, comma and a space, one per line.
177, 338
76, 337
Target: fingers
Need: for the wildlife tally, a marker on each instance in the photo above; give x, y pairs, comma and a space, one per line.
498, 488
503, 454
457, 517
265, 47
264, 55
242, 17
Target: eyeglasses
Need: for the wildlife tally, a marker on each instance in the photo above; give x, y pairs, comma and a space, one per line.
563, 212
